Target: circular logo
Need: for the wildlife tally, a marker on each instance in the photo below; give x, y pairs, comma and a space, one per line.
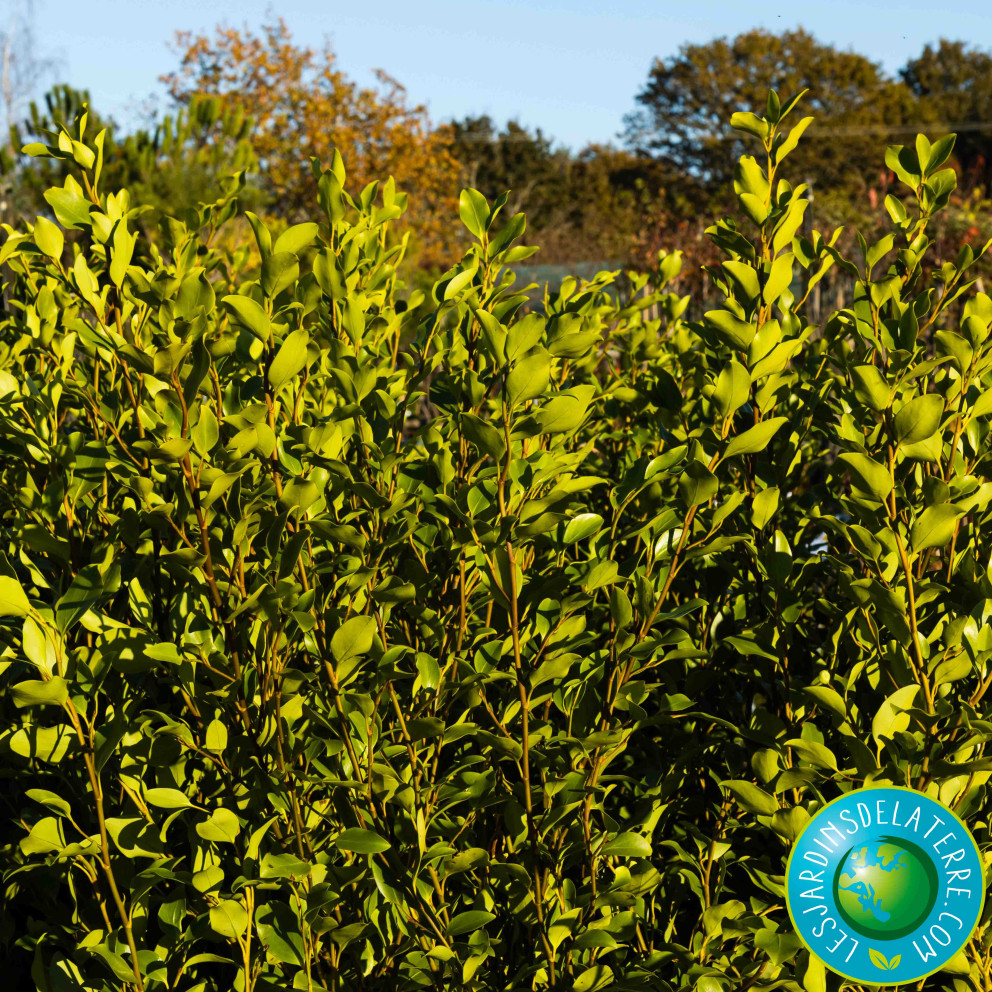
885, 885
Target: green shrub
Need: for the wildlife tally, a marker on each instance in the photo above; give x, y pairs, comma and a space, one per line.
361, 640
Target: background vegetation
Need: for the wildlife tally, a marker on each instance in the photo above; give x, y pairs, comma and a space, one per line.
606, 204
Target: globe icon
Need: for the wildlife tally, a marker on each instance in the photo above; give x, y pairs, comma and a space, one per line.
885, 888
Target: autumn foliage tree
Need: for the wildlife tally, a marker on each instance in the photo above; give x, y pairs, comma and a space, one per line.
305, 106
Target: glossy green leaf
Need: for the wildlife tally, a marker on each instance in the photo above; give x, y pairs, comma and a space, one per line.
870, 387
221, 827
229, 919
868, 475
736, 333
290, 359
468, 922
755, 438
166, 798
34, 692
13, 602
582, 526
627, 845
296, 238
697, 484
474, 211
935, 526
48, 237
483, 435
751, 797
732, 388
284, 866
529, 378
361, 841
764, 506
564, 413
248, 313
353, 638
919, 419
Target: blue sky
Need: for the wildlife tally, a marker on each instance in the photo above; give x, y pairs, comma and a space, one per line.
572, 67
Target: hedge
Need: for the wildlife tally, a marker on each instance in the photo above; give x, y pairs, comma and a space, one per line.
358, 638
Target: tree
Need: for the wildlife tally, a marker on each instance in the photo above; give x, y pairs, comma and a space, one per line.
689, 97
953, 84
172, 165
581, 207
511, 158
599, 206
304, 106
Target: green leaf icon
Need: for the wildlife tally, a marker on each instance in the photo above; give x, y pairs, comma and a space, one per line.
878, 959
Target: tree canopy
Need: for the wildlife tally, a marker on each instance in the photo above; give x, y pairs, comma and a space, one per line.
581, 205
952, 83
177, 161
511, 158
689, 97
305, 106
260, 99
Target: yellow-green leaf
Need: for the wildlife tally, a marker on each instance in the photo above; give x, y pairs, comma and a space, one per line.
13, 602
248, 313
37, 692
752, 798
756, 438
735, 332
289, 360
870, 477
919, 419
48, 237
935, 526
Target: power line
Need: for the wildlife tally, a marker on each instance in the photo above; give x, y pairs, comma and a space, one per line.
855, 129
815, 130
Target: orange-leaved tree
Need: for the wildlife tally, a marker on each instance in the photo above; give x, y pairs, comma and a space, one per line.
304, 105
